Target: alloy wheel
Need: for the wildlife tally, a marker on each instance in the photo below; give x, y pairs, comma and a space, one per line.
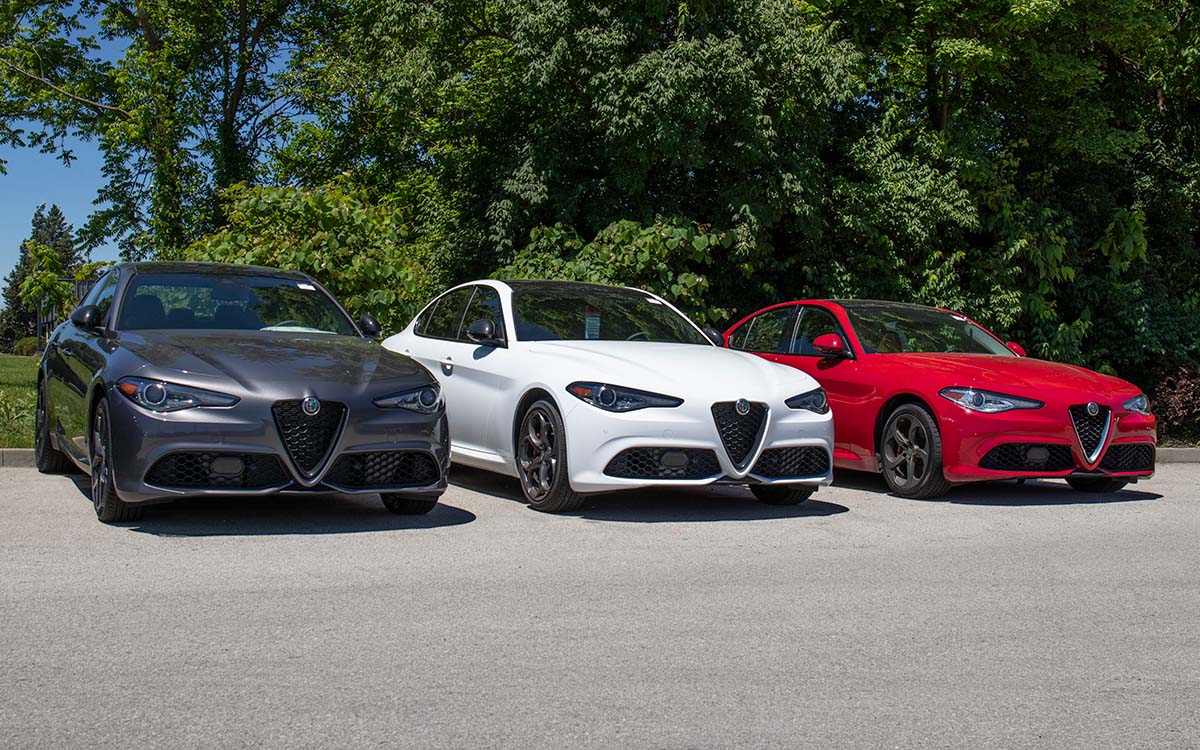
101, 475
906, 451
537, 456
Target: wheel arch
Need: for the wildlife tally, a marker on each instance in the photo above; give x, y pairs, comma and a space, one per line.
885, 411
98, 392
532, 395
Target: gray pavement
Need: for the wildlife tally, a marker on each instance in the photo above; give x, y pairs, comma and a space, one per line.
1004, 616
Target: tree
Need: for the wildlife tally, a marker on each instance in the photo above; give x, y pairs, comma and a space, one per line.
49, 230
183, 99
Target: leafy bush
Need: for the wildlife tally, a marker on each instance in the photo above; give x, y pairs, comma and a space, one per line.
1176, 403
25, 347
377, 257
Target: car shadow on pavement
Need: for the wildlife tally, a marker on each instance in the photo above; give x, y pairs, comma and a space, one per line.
1006, 493
664, 505
257, 515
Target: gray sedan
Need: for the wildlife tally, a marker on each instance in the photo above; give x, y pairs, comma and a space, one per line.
185, 379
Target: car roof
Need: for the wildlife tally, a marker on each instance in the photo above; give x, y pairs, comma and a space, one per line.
566, 286
225, 269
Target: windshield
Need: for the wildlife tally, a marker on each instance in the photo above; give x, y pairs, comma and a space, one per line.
580, 312
891, 328
235, 302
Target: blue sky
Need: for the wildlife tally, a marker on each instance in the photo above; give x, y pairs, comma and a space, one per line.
34, 178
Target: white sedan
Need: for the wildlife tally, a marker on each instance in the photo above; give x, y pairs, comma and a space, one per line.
576, 388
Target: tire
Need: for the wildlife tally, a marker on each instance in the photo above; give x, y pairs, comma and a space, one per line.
910, 452
541, 456
110, 508
408, 505
782, 494
1095, 484
47, 458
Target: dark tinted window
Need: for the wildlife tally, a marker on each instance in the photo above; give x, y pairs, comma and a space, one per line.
595, 313
102, 295
813, 322
485, 305
889, 328
767, 332
445, 321
212, 301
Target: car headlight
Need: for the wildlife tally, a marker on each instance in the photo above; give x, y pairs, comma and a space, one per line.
159, 395
427, 400
1139, 404
813, 401
987, 401
619, 398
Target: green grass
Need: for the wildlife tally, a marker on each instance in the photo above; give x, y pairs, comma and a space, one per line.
18, 400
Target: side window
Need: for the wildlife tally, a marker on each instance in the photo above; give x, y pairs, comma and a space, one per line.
485, 305
813, 322
102, 295
445, 320
769, 332
423, 319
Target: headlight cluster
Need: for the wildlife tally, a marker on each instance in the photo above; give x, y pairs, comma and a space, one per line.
1139, 404
987, 401
813, 401
619, 398
426, 400
159, 395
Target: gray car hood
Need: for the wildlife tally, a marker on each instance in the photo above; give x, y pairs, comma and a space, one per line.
256, 357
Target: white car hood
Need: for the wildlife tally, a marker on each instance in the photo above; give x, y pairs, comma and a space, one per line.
682, 370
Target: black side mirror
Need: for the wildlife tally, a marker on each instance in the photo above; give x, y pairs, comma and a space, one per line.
714, 336
86, 316
483, 332
370, 327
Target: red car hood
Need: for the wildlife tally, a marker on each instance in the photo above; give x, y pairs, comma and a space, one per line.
1017, 376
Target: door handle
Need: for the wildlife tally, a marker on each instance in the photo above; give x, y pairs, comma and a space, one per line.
447, 364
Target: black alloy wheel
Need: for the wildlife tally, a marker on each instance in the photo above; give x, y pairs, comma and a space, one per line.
47, 458
109, 506
542, 460
911, 454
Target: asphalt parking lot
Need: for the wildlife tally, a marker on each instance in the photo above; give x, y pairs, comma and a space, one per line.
1004, 616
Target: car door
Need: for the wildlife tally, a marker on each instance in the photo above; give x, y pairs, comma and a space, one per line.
480, 377
768, 334
846, 382
74, 359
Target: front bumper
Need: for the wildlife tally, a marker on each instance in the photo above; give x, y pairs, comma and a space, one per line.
596, 437
163, 456
969, 439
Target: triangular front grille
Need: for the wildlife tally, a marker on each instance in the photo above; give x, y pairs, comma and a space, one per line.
308, 440
739, 432
1091, 429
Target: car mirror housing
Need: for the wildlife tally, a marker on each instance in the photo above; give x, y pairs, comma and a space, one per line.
483, 332
369, 326
830, 345
714, 336
1016, 349
86, 316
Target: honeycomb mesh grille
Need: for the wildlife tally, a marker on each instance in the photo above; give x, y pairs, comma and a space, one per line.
805, 461
1016, 457
739, 432
308, 439
1089, 429
195, 471
646, 463
1129, 457
384, 470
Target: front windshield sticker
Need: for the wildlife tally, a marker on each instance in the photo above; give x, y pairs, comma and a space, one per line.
306, 287
591, 327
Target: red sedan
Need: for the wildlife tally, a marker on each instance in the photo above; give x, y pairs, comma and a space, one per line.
931, 398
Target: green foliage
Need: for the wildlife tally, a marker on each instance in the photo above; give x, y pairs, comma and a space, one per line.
25, 347
46, 287
377, 257
671, 258
18, 400
49, 228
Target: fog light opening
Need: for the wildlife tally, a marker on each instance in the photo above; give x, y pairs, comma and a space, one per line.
673, 460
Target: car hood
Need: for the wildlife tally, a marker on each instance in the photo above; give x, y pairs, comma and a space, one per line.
255, 357
1021, 376
682, 370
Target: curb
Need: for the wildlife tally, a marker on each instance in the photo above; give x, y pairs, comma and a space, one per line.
1177, 456
16, 457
